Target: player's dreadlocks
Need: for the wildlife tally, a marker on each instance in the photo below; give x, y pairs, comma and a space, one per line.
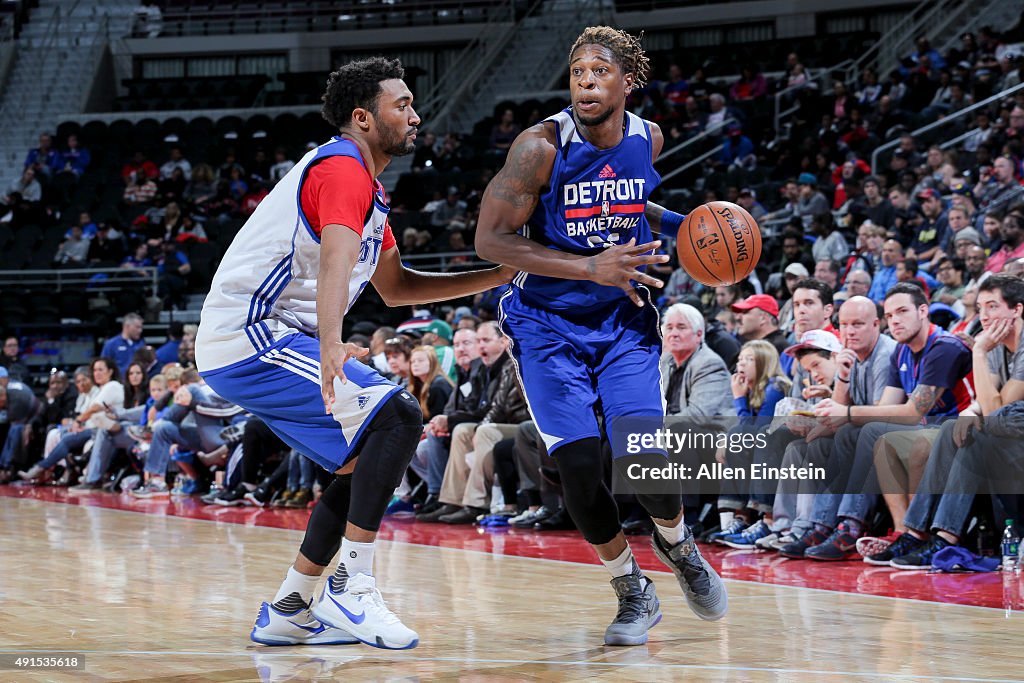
626, 49
357, 84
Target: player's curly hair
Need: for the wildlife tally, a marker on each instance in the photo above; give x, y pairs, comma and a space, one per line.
626, 49
357, 85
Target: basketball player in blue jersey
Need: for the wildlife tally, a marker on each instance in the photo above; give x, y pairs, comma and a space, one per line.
270, 341
569, 210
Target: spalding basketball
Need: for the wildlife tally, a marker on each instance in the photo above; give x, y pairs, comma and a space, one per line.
719, 243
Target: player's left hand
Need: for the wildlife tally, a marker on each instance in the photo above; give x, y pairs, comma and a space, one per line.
332, 364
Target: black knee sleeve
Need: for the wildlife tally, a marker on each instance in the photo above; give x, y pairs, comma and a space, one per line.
387, 449
326, 525
661, 499
587, 498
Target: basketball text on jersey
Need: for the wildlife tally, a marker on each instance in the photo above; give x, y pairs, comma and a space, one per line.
594, 199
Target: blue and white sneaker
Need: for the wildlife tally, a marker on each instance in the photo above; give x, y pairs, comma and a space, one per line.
399, 507
274, 627
735, 527
746, 539
358, 608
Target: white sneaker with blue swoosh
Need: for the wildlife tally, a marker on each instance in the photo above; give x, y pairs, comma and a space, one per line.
360, 610
274, 627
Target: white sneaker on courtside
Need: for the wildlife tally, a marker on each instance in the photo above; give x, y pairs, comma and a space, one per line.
300, 627
360, 610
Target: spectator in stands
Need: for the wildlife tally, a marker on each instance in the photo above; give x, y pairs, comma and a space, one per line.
747, 198
811, 203
830, 244
931, 231
18, 408
10, 360
694, 379
187, 350
827, 271
936, 386
759, 320
282, 164
868, 254
793, 251
210, 413
26, 187
73, 252
45, 161
875, 205
737, 152
957, 220
675, 90
173, 268
448, 213
168, 352
1011, 232
427, 382
974, 263
927, 56
790, 192
139, 189
141, 167
104, 250
120, 348
93, 416
996, 183
177, 160
950, 273
759, 382
885, 277
998, 371
750, 86
504, 132
75, 158
718, 114
858, 283
399, 351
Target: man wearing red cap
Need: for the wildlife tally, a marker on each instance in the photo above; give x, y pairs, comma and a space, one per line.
759, 319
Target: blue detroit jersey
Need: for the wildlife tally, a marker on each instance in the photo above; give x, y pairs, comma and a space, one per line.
595, 199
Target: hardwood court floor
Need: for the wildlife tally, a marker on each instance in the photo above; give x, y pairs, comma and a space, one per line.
159, 597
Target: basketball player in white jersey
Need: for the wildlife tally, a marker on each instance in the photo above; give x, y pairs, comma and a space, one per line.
270, 341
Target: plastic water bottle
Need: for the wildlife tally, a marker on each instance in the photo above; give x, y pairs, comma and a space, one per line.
1010, 546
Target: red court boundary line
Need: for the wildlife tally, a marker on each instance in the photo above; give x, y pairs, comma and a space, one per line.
978, 590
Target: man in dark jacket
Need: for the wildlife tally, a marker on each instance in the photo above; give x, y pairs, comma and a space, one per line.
431, 457
500, 409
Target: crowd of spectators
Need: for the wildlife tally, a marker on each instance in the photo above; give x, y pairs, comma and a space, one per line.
865, 274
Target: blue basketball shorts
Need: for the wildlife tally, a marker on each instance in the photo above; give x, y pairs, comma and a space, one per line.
571, 362
281, 386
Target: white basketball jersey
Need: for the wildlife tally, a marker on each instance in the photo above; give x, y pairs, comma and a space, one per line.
265, 287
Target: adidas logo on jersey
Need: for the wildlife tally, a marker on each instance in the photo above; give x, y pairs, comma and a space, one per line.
606, 172
903, 368
362, 401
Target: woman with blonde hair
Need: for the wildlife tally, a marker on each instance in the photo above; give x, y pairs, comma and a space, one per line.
427, 382
759, 382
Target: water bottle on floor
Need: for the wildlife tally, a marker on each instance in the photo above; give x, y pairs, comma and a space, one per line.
1010, 546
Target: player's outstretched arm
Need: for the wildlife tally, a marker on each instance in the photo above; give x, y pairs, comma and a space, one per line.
400, 286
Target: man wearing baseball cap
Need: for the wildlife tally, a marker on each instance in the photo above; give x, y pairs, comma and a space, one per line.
759, 319
931, 232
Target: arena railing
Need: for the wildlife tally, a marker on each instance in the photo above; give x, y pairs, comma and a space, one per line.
88, 279
941, 123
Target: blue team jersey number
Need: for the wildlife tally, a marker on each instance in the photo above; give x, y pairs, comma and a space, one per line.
369, 250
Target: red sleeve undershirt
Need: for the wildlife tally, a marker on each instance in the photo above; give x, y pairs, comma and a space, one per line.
339, 191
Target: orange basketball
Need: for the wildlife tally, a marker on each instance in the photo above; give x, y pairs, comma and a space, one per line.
719, 243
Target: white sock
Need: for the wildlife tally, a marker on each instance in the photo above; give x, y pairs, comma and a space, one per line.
621, 565
672, 535
356, 558
302, 584
725, 519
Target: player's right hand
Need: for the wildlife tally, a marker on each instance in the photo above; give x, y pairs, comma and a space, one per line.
332, 364
617, 267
